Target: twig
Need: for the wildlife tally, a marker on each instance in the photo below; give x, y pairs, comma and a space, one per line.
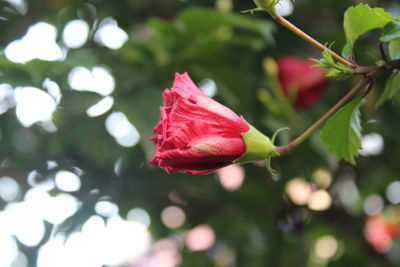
288, 25
286, 149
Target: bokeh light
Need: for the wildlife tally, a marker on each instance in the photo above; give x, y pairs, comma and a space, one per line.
202, 237
99, 80
100, 107
36, 180
6, 97
231, 177
372, 144
139, 215
373, 205
75, 33
106, 208
8, 248
118, 125
320, 200
52, 209
29, 234
322, 178
298, 190
67, 181
208, 87
163, 253
39, 42
130, 238
326, 247
110, 35
112, 243
393, 192
173, 216
9, 189
53, 89
33, 105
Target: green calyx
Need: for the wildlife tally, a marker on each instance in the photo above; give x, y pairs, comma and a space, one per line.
268, 5
258, 146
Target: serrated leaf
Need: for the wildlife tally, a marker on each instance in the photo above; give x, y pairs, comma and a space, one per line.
342, 132
332, 68
328, 57
394, 49
392, 87
362, 18
391, 31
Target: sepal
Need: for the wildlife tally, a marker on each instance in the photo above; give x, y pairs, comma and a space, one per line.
268, 5
258, 146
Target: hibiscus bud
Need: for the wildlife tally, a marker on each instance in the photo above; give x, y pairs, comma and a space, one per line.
300, 78
268, 5
196, 134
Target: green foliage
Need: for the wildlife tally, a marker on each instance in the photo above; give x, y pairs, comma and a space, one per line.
391, 31
216, 23
394, 49
333, 69
392, 87
342, 132
362, 18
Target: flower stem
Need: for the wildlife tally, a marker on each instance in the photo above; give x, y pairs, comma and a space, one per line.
288, 25
286, 149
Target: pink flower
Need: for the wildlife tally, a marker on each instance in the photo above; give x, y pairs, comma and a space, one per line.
195, 133
298, 74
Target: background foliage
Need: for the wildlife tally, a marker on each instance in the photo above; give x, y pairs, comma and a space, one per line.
258, 224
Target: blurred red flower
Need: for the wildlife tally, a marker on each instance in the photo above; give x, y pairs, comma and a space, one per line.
307, 82
195, 133
379, 233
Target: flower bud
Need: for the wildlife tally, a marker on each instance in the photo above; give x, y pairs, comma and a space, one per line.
196, 134
300, 78
268, 5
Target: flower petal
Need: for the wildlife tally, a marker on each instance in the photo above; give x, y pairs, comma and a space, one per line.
202, 155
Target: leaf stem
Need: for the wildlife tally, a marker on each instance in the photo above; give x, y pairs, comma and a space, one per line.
286, 149
288, 25
382, 51
393, 64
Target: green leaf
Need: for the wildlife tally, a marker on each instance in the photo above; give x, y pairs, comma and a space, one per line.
342, 133
392, 87
362, 18
346, 51
394, 49
195, 24
332, 68
391, 31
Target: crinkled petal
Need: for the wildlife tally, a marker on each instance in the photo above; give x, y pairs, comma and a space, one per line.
202, 155
185, 86
195, 134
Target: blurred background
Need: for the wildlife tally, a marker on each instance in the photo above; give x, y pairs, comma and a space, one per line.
80, 87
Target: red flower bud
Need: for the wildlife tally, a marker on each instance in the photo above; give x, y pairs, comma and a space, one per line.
298, 76
196, 134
